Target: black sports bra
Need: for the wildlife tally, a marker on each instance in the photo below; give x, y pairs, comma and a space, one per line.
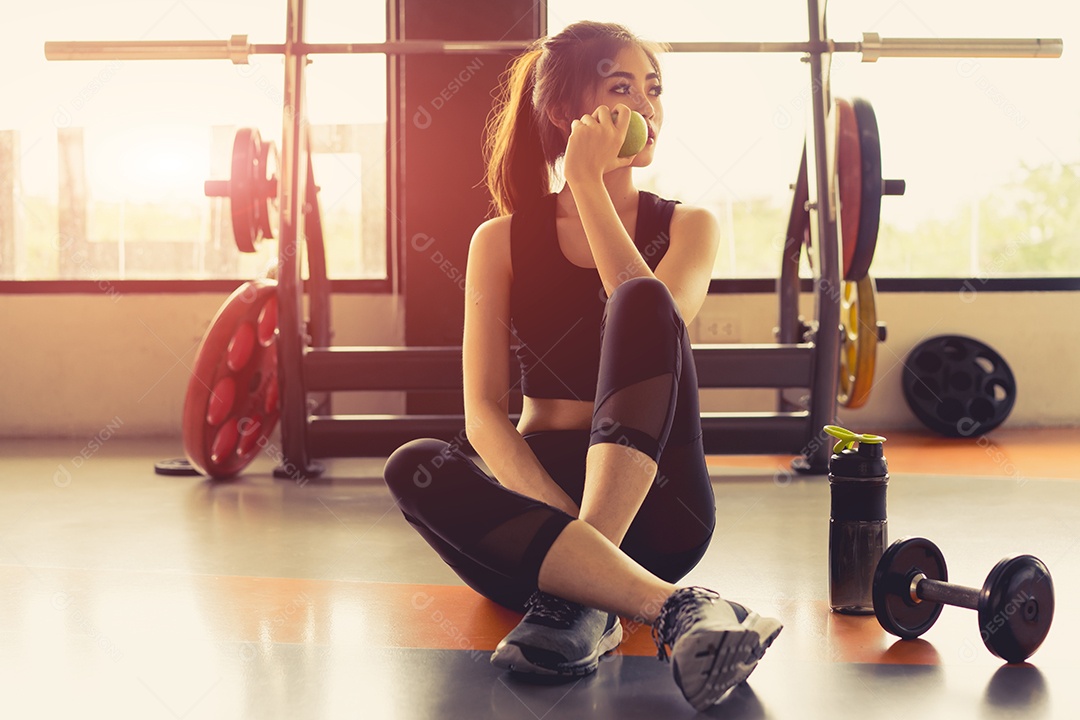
556, 306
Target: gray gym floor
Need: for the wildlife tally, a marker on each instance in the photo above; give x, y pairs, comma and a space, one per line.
126, 594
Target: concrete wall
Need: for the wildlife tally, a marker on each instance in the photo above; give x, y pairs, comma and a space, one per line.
74, 365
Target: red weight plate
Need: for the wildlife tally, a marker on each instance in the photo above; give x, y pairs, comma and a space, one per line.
268, 189
224, 444
250, 432
222, 399
267, 323
243, 189
849, 180
270, 401
240, 347
870, 195
231, 405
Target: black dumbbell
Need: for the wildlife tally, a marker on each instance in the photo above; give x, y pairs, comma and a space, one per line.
1015, 604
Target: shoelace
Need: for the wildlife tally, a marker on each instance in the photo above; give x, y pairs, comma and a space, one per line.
679, 613
549, 607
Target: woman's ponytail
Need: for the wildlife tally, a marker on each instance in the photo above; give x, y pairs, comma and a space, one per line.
517, 170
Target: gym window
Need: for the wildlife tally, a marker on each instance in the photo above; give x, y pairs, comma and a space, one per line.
106, 160
988, 148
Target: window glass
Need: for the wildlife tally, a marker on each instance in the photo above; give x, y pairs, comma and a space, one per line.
107, 159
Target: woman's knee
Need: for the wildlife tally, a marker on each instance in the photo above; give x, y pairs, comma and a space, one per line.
674, 566
642, 293
413, 465
668, 562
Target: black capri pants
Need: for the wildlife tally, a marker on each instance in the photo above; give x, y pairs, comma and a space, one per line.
495, 539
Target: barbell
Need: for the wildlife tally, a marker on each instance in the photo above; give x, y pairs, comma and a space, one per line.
239, 50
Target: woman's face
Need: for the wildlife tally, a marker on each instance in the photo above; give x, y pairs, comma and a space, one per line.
629, 78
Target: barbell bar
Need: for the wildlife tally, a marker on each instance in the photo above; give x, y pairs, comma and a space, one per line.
239, 50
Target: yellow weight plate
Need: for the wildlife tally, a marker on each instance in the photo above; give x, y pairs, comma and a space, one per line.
858, 341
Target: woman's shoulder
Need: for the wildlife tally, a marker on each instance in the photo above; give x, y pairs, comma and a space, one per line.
510, 236
494, 228
492, 238
501, 227
678, 213
695, 221
692, 213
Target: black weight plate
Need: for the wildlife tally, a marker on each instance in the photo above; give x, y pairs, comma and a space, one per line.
870, 198
958, 386
1016, 607
893, 606
175, 466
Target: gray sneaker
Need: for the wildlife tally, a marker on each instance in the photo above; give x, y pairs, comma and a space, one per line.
558, 638
715, 644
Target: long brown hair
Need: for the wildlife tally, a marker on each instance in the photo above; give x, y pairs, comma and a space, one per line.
548, 80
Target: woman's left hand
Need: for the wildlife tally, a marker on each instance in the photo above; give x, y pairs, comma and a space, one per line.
595, 140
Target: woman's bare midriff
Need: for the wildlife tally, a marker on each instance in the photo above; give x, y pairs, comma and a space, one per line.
554, 414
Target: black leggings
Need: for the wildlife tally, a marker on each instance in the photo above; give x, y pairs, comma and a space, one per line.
495, 539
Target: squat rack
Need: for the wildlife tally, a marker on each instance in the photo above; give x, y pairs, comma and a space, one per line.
320, 367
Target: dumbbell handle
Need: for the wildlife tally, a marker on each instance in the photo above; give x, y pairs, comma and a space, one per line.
923, 588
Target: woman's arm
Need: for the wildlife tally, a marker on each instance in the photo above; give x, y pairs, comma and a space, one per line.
486, 370
592, 152
694, 233
687, 266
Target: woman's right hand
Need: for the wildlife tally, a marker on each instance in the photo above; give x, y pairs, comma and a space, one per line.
592, 150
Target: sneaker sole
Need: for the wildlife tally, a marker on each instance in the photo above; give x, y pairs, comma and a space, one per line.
725, 657
509, 657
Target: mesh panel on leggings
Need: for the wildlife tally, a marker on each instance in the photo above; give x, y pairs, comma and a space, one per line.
519, 543
493, 537
638, 415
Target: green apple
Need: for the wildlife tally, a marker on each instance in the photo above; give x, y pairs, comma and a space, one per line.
636, 135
